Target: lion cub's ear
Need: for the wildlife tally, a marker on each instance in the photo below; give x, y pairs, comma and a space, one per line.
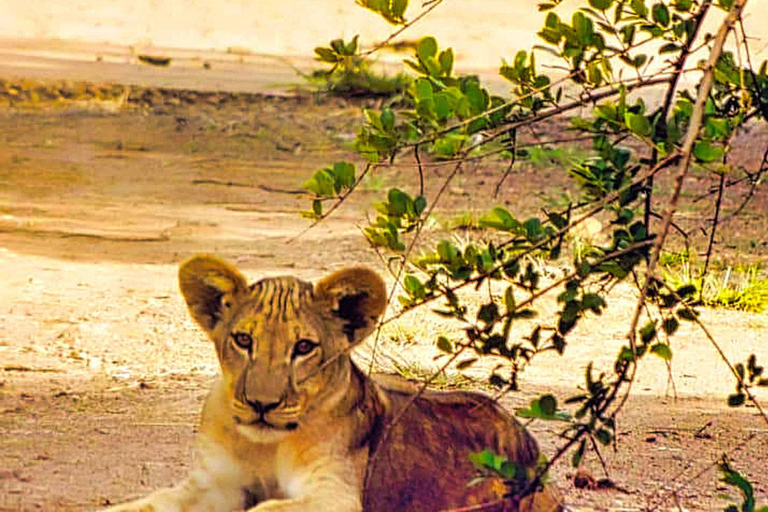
210, 286
357, 297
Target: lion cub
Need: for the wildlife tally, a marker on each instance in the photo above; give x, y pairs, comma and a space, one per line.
293, 425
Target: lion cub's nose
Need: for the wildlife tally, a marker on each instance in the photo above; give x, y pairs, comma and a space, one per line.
262, 408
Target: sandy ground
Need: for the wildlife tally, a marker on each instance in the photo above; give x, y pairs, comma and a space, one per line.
103, 373
260, 46
481, 31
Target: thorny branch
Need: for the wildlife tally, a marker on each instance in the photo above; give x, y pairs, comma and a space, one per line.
691, 135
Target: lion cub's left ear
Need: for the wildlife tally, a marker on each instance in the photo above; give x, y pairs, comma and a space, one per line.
210, 286
357, 297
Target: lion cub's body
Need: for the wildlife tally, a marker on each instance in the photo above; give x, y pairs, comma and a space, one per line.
292, 425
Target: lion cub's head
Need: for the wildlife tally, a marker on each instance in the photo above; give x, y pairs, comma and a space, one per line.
281, 342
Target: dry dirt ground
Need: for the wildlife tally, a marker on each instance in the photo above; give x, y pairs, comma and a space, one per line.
102, 373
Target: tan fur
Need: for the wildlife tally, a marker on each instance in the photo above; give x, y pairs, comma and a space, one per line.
292, 425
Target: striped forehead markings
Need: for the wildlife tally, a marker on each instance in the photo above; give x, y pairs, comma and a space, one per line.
281, 296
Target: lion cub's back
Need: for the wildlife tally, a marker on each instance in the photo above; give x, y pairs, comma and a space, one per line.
423, 462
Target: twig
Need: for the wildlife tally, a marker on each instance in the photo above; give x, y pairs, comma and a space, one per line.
421, 170
486, 154
669, 97
716, 345
669, 160
661, 499
224, 183
266, 188
567, 277
19, 368
407, 253
402, 29
585, 98
513, 136
718, 205
691, 135
336, 204
599, 456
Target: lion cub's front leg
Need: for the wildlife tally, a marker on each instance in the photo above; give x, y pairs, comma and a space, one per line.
215, 485
340, 499
185, 497
317, 479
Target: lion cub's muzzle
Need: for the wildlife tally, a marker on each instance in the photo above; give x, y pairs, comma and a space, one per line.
270, 415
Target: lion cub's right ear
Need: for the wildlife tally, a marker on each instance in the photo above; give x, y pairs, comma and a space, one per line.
210, 286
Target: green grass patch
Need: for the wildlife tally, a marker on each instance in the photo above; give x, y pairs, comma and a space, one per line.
740, 287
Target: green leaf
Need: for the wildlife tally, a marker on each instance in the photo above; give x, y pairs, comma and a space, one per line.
398, 8
419, 205
639, 61
662, 350
444, 345
387, 119
446, 61
478, 98
550, 35
593, 302
427, 48
399, 202
687, 291
488, 313
351, 47
648, 331
601, 5
670, 325
669, 48
736, 400
578, 454
322, 183
337, 45
639, 7
499, 218
548, 405
447, 251
604, 436
509, 470
423, 89
533, 228
509, 299
344, 175
373, 118
463, 365
638, 124
448, 146
414, 287
706, 152
660, 14
390, 10
628, 34
442, 105
326, 55
584, 28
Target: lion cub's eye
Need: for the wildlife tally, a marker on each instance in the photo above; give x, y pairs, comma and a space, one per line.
242, 340
303, 347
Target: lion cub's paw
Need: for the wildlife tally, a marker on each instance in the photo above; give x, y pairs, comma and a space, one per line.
134, 506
